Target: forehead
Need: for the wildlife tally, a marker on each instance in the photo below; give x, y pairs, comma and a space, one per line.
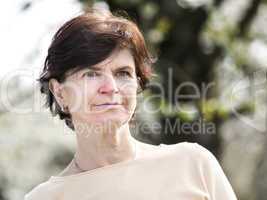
119, 58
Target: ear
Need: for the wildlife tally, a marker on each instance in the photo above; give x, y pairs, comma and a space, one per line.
56, 88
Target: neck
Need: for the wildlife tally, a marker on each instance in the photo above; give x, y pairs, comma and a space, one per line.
97, 149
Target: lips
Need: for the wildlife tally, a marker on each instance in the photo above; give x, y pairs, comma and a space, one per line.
107, 104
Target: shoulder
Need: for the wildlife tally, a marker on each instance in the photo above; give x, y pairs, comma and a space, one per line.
191, 149
203, 167
191, 153
40, 191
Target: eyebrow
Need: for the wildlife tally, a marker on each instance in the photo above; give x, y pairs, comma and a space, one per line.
117, 69
125, 67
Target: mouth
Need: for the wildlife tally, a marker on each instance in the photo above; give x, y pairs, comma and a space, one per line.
108, 105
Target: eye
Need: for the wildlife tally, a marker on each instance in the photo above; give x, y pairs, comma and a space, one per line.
92, 74
124, 74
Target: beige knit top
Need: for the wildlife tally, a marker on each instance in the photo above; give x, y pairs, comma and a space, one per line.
183, 171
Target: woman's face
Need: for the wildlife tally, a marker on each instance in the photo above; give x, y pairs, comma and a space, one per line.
105, 92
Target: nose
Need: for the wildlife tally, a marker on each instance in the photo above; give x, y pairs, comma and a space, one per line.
109, 85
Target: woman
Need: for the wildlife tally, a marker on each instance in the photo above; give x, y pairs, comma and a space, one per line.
96, 65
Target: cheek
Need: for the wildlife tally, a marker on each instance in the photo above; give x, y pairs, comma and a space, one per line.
73, 100
131, 98
79, 96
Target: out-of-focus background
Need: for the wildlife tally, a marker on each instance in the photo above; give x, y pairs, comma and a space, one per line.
210, 88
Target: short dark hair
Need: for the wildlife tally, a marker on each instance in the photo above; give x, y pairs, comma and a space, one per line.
87, 40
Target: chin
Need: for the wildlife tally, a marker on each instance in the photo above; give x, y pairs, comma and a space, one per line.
112, 116
106, 118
